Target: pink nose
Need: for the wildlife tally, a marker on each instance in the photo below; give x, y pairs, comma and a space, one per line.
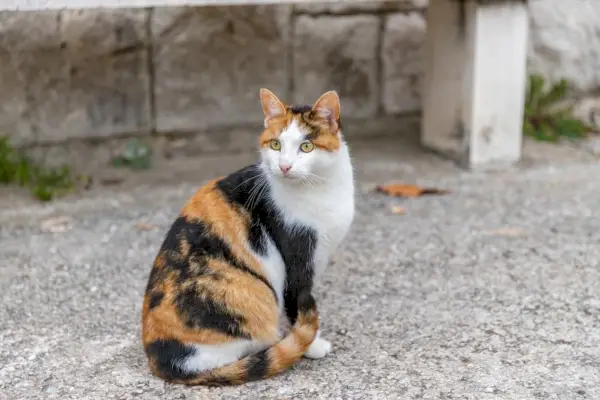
285, 168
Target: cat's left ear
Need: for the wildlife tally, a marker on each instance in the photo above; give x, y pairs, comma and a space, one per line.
271, 105
328, 106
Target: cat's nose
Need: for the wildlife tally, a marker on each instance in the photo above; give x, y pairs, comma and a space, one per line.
285, 168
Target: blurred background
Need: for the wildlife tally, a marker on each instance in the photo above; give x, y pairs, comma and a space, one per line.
77, 85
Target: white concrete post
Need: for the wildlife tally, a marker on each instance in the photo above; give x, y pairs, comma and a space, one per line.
475, 80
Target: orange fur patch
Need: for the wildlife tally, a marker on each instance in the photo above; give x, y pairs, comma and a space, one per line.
164, 322
225, 221
252, 298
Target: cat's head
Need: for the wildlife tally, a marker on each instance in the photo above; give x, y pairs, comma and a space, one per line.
300, 142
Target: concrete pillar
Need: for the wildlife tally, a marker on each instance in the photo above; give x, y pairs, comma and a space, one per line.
475, 80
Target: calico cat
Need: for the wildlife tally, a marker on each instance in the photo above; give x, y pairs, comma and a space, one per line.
236, 268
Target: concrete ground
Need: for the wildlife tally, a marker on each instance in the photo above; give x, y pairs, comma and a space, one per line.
490, 292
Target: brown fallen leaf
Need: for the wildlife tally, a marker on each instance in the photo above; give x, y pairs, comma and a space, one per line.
404, 190
398, 210
143, 226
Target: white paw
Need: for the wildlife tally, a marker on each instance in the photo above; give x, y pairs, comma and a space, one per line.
319, 348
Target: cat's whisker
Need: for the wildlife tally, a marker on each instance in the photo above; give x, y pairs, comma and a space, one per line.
244, 182
317, 176
248, 180
253, 192
309, 180
251, 195
257, 192
260, 194
254, 195
311, 183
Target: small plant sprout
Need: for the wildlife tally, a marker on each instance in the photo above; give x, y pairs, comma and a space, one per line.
546, 116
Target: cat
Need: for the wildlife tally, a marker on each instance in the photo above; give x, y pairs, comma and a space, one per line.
229, 299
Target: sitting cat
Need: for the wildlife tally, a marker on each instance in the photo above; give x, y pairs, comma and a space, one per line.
239, 261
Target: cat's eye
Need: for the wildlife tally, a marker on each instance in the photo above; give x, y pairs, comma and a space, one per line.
275, 144
307, 147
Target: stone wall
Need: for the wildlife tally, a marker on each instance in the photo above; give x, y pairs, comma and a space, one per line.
106, 74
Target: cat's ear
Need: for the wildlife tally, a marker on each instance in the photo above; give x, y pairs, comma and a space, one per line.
328, 106
271, 105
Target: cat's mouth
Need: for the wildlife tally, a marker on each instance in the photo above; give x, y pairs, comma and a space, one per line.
289, 176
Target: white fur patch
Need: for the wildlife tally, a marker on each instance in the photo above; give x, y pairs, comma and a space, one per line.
319, 348
207, 357
274, 268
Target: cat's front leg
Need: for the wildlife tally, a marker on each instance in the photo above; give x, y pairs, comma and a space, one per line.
319, 347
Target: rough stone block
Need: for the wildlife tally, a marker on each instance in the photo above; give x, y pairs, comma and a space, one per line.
99, 32
42, 34
361, 6
565, 41
338, 53
210, 63
403, 62
29, 31
74, 74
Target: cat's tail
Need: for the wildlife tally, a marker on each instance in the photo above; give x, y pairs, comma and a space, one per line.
272, 361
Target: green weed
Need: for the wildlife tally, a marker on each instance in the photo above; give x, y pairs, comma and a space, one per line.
136, 155
44, 183
544, 119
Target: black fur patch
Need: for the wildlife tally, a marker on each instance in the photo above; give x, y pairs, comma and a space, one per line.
301, 109
168, 355
204, 245
296, 247
257, 366
306, 302
156, 275
257, 239
200, 311
155, 299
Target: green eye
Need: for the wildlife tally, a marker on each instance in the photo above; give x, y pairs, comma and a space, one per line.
307, 147
275, 144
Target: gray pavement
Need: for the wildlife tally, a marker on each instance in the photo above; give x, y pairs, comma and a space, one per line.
491, 292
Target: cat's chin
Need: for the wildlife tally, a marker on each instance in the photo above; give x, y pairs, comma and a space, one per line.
288, 179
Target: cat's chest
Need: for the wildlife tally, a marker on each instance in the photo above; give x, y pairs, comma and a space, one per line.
328, 214
326, 221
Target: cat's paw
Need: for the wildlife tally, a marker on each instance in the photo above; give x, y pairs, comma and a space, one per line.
319, 348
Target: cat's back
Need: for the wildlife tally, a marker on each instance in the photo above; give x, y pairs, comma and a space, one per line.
204, 257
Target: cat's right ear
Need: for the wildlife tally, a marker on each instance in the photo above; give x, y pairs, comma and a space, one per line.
271, 105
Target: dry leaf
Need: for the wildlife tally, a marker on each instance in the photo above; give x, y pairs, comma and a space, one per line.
143, 226
56, 225
403, 190
398, 210
506, 231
